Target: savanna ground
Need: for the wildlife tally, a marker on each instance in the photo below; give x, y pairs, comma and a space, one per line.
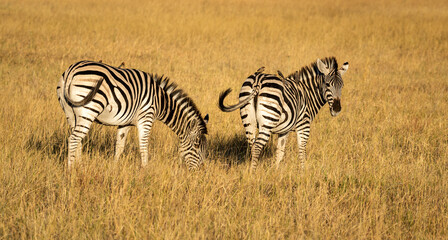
378, 170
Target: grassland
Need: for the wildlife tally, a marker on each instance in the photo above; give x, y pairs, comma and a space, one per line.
377, 171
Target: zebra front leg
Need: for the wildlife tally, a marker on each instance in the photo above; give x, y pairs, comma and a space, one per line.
302, 139
74, 141
257, 148
144, 128
122, 134
280, 151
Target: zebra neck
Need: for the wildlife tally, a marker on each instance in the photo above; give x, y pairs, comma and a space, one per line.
313, 82
176, 112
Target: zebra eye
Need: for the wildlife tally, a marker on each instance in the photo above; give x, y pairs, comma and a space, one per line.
327, 84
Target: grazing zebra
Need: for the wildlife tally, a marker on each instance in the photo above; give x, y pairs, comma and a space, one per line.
93, 91
280, 105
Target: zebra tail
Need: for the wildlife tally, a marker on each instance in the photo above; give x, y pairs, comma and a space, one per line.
87, 99
236, 106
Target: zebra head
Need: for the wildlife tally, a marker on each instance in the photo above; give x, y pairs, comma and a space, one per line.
194, 143
332, 85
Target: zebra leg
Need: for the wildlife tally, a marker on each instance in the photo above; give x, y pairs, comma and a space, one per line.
122, 133
302, 139
69, 114
257, 148
79, 151
74, 141
280, 151
71, 121
144, 128
248, 117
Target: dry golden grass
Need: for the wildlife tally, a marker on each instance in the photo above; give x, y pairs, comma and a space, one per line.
378, 170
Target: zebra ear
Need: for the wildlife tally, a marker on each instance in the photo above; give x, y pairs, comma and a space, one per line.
322, 67
344, 68
206, 119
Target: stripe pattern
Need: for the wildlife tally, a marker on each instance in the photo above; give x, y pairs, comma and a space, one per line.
91, 91
271, 104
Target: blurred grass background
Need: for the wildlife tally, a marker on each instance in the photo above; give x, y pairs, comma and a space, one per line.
377, 171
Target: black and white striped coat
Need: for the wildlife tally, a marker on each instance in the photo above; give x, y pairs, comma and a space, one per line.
272, 104
93, 91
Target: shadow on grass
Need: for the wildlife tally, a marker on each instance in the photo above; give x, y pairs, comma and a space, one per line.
55, 144
229, 151
233, 150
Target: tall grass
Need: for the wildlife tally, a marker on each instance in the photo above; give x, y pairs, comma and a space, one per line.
378, 170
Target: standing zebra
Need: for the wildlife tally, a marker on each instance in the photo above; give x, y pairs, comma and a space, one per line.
93, 91
280, 105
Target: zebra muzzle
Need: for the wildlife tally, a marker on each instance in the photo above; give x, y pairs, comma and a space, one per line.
337, 105
335, 108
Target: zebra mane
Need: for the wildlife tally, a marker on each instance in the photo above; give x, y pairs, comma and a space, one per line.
178, 95
329, 61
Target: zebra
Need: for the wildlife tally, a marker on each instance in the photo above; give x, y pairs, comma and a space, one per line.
280, 105
91, 91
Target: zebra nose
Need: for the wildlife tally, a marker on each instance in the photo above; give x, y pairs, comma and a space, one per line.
337, 105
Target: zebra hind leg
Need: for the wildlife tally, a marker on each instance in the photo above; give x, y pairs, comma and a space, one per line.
257, 148
122, 134
249, 120
280, 151
79, 151
80, 130
71, 120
